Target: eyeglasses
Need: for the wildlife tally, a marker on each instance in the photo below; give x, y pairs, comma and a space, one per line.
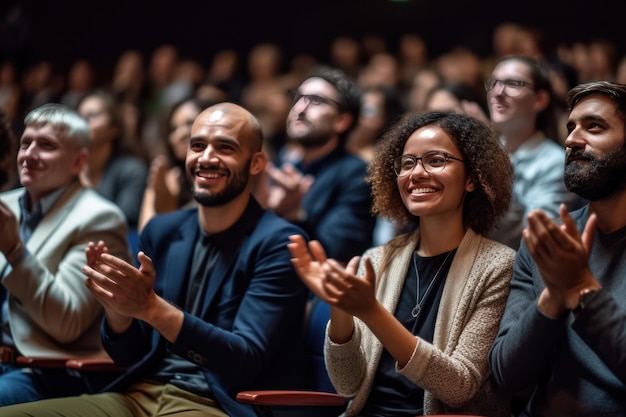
432, 162
313, 99
510, 87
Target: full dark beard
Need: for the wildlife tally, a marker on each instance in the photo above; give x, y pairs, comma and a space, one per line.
596, 178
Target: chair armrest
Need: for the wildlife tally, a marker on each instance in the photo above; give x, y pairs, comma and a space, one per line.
288, 397
40, 362
93, 365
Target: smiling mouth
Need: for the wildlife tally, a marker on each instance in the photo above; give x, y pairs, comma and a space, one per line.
209, 175
427, 190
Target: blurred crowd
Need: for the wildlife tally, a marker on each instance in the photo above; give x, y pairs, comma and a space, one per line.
141, 91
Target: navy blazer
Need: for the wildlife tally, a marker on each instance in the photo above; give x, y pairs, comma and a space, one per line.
248, 334
338, 205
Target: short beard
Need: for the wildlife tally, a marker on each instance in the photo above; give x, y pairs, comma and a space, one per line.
234, 187
597, 178
310, 140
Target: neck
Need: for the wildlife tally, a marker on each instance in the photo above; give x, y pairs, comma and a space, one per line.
311, 154
220, 218
513, 140
439, 236
611, 213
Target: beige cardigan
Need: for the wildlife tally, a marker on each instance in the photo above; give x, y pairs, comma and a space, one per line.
454, 371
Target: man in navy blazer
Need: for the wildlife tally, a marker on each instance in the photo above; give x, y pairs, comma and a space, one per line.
215, 306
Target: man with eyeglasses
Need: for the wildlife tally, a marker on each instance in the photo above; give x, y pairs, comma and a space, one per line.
325, 191
519, 96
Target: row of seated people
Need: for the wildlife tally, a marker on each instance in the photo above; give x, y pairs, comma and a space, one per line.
216, 297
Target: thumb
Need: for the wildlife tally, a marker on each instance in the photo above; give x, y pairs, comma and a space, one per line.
370, 274
145, 263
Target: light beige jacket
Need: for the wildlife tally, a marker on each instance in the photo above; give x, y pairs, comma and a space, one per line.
51, 311
454, 370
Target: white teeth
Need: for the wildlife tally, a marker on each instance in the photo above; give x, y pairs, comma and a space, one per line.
208, 174
423, 190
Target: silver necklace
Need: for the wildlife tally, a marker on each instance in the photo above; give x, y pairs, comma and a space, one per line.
418, 303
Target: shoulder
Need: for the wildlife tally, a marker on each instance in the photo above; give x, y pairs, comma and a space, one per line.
12, 195
271, 225
172, 219
494, 253
87, 203
550, 149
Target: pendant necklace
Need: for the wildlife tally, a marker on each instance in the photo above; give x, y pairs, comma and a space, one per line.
418, 303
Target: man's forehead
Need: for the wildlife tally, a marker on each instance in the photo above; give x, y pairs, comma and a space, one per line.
219, 118
318, 84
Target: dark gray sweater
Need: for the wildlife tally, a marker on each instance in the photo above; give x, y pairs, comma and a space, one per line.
575, 366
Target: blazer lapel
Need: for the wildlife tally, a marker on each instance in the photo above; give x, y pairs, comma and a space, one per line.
181, 257
53, 218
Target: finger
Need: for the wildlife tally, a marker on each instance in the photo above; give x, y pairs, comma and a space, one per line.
532, 235
118, 264
298, 249
353, 265
568, 223
90, 253
370, 274
589, 231
319, 254
97, 277
145, 263
98, 291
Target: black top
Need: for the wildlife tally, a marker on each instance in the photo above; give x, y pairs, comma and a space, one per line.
392, 394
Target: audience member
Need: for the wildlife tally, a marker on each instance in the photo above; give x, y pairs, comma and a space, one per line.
168, 188
413, 55
215, 305
564, 324
325, 191
8, 147
224, 74
46, 309
380, 107
129, 86
423, 81
10, 93
114, 170
459, 98
81, 80
410, 331
160, 75
519, 97
346, 55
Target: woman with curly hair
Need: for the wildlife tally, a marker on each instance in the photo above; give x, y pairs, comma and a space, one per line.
412, 321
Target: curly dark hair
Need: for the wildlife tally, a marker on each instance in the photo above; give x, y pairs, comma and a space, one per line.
486, 162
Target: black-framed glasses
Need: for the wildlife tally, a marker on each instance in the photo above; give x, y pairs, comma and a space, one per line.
509, 86
313, 99
433, 162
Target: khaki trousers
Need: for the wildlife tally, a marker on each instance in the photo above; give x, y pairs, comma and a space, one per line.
144, 399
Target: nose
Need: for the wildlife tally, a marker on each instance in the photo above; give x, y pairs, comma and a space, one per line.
419, 163
574, 139
208, 156
29, 150
498, 88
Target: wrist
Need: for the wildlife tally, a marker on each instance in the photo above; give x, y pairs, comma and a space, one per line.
584, 297
15, 254
551, 305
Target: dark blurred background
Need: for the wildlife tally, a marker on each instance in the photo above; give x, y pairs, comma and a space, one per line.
65, 30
